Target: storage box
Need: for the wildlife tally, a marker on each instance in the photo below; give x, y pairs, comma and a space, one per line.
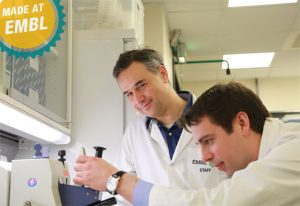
122, 14
133, 17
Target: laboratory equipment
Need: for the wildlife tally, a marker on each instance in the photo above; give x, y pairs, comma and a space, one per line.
35, 182
5, 171
108, 201
43, 181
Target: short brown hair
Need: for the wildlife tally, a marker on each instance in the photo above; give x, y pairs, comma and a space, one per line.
151, 58
222, 102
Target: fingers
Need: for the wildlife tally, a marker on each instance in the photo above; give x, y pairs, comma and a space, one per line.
81, 181
81, 162
79, 166
82, 159
92, 172
78, 180
81, 177
82, 166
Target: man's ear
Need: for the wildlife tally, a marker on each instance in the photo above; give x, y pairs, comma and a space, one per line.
164, 73
242, 120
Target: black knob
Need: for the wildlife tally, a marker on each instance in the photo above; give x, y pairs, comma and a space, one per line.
99, 151
61, 154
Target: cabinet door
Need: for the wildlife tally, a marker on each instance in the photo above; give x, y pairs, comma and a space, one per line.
41, 84
39, 91
97, 106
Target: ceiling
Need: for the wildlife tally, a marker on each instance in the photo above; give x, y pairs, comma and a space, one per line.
210, 29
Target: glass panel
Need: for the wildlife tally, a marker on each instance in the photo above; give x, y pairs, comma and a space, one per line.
41, 82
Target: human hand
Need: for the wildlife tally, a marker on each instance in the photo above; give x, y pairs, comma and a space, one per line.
93, 172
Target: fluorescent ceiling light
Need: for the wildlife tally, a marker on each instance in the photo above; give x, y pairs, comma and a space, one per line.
239, 3
181, 59
252, 60
181, 52
28, 127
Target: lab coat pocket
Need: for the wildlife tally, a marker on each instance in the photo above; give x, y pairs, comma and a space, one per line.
200, 174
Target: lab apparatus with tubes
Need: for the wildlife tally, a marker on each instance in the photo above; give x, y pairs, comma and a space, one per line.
44, 181
31, 175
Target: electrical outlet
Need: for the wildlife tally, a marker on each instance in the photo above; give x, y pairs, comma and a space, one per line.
25, 144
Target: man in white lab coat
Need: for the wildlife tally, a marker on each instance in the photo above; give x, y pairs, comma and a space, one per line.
238, 136
154, 147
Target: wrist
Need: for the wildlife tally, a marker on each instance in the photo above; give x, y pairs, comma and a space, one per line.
113, 181
126, 186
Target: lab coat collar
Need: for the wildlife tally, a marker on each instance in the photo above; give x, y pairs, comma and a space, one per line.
185, 137
269, 136
184, 140
156, 135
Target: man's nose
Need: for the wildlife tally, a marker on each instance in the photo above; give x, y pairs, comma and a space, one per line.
207, 155
138, 97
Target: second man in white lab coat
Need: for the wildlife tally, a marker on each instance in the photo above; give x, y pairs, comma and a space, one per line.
237, 135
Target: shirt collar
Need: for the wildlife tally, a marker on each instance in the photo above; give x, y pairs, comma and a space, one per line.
184, 95
188, 97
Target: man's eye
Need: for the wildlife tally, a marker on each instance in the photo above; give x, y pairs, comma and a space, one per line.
208, 141
141, 86
129, 94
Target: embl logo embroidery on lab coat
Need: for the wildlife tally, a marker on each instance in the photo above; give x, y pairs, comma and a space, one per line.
203, 167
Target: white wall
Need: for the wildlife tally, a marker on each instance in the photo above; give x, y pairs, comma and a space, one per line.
197, 88
157, 33
278, 94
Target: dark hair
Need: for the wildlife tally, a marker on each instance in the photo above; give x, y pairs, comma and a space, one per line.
151, 58
222, 102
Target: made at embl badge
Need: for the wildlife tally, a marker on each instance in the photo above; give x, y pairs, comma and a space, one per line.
30, 27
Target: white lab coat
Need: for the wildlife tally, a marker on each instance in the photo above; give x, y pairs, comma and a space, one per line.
272, 180
145, 153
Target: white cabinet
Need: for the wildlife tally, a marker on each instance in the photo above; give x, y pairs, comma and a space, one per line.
98, 112
40, 87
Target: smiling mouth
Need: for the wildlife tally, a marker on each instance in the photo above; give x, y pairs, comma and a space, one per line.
146, 106
220, 166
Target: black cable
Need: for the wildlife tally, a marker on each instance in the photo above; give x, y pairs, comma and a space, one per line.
227, 70
107, 202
